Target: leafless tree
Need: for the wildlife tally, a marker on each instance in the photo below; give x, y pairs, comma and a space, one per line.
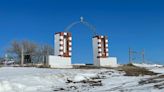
29, 48
43, 52
15, 48
37, 53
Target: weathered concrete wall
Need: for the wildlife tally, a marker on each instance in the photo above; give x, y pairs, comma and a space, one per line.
59, 62
110, 61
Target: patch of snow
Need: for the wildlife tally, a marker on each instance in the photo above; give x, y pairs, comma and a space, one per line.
158, 70
82, 77
147, 65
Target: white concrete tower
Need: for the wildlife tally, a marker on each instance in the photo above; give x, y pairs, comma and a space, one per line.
101, 52
63, 51
63, 44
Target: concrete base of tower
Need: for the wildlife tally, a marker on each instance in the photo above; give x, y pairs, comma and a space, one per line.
59, 62
106, 62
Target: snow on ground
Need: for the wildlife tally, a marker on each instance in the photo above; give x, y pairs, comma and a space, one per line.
147, 65
152, 67
16, 79
158, 70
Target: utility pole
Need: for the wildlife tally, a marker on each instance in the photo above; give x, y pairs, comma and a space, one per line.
143, 56
22, 56
47, 57
6, 59
130, 55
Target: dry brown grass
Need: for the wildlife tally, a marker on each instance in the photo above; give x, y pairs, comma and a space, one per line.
131, 70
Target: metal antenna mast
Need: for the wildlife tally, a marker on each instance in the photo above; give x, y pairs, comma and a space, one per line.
133, 54
93, 28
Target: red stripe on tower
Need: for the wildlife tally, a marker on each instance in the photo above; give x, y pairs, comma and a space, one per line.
65, 44
102, 46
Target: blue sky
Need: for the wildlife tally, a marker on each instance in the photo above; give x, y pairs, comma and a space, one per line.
128, 23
